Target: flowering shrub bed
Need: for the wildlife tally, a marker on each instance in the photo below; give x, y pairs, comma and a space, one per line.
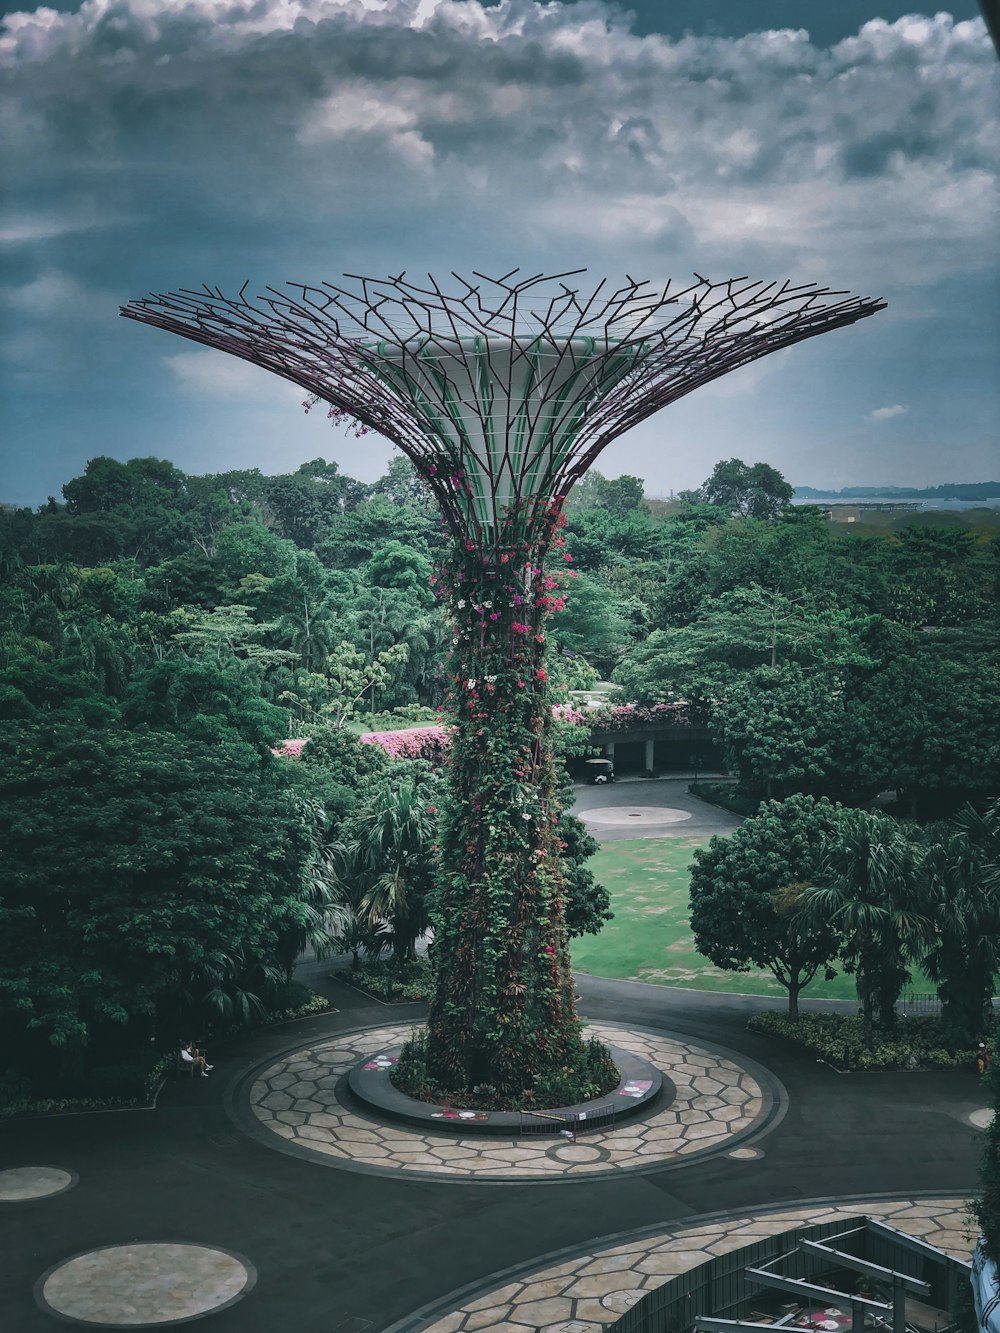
416, 743
629, 717
918, 1043
291, 749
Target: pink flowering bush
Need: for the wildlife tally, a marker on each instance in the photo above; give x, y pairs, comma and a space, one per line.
627, 717
290, 749
430, 743
567, 713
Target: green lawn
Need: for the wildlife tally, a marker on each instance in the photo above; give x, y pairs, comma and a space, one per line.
650, 938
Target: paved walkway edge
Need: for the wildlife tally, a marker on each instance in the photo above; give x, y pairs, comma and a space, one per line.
474, 1291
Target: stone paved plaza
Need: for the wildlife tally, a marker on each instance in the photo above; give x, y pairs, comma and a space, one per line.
719, 1101
589, 1291
258, 1200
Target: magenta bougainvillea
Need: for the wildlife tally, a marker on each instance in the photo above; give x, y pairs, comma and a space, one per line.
632, 717
291, 749
429, 743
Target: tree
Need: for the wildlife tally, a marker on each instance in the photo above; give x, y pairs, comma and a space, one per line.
390, 841
203, 699
149, 879
347, 676
745, 889
590, 622
865, 889
963, 957
933, 727
588, 903
759, 491
785, 729
403, 567
250, 548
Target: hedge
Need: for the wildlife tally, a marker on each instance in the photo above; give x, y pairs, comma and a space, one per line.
918, 1043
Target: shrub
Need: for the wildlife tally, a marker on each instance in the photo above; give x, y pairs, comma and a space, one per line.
919, 1043
409, 1074
727, 795
387, 980
598, 1074
131, 1082
293, 1000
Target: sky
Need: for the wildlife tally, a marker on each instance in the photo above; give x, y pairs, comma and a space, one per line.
151, 145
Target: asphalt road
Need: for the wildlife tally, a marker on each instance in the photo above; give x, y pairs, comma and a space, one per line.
332, 1246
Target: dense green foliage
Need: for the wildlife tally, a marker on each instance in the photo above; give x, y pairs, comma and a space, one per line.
161, 634
593, 1075
745, 892
867, 890
920, 1043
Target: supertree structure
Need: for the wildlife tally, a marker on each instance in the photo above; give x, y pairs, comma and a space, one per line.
502, 392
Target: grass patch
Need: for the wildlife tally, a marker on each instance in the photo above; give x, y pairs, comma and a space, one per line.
650, 937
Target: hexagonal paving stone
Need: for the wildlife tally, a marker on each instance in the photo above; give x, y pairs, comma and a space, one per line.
296, 1099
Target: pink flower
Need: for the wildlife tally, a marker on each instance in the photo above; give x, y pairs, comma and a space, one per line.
290, 749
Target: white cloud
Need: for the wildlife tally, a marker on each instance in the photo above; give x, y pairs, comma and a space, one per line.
209, 375
887, 413
276, 139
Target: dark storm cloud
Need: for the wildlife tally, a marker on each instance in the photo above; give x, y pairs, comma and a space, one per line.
155, 144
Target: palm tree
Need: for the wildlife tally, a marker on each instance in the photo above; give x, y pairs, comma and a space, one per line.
322, 911
865, 889
963, 901
310, 630
393, 836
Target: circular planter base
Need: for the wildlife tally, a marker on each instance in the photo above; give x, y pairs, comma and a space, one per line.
639, 1086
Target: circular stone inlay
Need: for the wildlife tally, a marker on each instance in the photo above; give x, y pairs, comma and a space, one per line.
981, 1119
20, 1183
299, 1105
620, 1301
745, 1154
577, 1152
145, 1284
643, 814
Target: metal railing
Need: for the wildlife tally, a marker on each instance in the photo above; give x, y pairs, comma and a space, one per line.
570, 1125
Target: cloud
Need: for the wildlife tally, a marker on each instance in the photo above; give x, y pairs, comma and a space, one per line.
224, 140
876, 157
209, 375
887, 413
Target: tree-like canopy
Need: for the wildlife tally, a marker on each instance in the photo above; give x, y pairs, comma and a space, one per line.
503, 391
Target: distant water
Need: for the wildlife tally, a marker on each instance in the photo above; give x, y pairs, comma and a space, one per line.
993, 502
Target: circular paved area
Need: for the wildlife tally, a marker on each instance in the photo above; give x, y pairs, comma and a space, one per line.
636, 816
130, 1286
585, 1292
19, 1184
720, 1098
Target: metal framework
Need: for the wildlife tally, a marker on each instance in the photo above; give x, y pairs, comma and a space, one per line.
504, 390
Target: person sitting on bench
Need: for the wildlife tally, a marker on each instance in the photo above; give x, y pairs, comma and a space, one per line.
192, 1056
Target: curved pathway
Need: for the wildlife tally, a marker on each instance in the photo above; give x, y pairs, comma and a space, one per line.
595, 1286
297, 1104
101, 1214
338, 1251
